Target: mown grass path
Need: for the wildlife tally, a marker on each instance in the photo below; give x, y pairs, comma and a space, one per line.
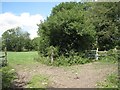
77, 76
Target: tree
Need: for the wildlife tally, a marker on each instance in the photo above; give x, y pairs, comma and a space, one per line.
79, 26
67, 28
15, 39
0, 43
106, 20
35, 43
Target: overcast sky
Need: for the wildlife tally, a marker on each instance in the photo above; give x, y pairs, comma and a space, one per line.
25, 15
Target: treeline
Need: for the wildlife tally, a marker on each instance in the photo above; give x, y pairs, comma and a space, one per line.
16, 39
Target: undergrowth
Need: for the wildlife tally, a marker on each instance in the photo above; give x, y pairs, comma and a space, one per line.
108, 59
76, 58
8, 75
63, 61
110, 82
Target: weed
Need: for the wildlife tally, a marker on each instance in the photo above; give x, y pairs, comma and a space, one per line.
38, 81
110, 82
63, 61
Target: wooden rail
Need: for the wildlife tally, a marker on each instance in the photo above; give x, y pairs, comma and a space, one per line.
95, 54
92, 54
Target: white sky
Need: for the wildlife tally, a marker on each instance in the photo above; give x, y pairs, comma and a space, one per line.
25, 21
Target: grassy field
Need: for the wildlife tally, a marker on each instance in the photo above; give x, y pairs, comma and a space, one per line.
26, 60
15, 58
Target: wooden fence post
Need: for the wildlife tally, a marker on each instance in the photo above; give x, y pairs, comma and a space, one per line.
52, 54
6, 56
115, 53
105, 53
96, 56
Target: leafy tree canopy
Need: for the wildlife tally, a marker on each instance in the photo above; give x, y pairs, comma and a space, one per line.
74, 26
67, 28
16, 40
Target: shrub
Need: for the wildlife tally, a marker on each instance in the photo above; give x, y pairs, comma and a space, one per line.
63, 60
110, 59
43, 60
8, 75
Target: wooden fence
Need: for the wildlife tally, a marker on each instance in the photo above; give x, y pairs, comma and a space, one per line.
95, 54
3, 58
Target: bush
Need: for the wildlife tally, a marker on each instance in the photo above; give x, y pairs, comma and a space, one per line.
63, 60
8, 75
112, 56
43, 60
110, 59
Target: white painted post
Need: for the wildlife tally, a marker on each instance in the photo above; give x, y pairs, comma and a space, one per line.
96, 56
115, 52
52, 56
105, 53
6, 55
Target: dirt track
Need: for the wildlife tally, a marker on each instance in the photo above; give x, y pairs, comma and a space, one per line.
78, 76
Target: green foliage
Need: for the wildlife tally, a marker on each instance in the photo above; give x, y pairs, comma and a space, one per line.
63, 6
16, 40
35, 43
66, 29
53, 50
43, 60
38, 81
0, 43
110, 82
106, 22
112, 56
108, 59
63, 61
71, 60
76, 26
8, 75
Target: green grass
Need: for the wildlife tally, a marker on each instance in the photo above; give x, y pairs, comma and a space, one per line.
110, 82
23, 58
38, 81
